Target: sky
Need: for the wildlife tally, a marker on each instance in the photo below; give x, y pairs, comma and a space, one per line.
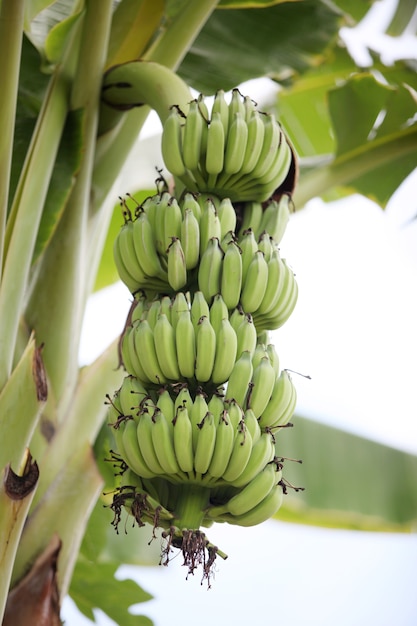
353, 332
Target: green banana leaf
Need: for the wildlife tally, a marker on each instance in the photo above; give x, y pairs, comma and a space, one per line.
348, 481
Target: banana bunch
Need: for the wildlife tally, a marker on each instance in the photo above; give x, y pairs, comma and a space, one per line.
195, 421
158, 249
235, 151
189, 445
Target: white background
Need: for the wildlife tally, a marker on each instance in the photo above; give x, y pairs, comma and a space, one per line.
354, 332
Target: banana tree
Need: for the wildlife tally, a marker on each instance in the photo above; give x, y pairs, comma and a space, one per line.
69, 118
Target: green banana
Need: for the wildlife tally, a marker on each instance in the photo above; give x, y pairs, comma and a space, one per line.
132, 452
239, 458
231, 279
282, 403
199, 308
145, 249
209, 224
249, 247
206, 440
190, 239
224, 445
227, 217
263, 381
146, 351
263, 452
210, 269
276, 217
239, 379
172, 221
225, 357
256, 133
171, 146
165, 347
197, 413
183, 440
254, 285
144, 437
261, 512
236, 144
254, 492
246, 336
218, 312
215, 148
185, 342
206, 350
177, 269
163, 443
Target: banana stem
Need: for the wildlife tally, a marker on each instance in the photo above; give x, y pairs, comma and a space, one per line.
11, 28
190, 506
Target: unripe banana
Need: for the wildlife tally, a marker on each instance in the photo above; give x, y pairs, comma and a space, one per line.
199, 308
263, 381
227, 217
165, 346
236, 144
226, 347
276, 217
124, 273
183, 440
236, 414
283, 306
161, 207
196, 414
210, 269
172, 148
231, 279
240, 377
221, 107
206, 350
144, 436
163, 443
193, 130
185, 342
236, 105
252, 219
281, 404
131, 396
263, 451
190, 202
166, 404
216, 406
183, 399
132, 452
271, 142
215, 148
166, 304
177, 269
130, 356
206, 440
172, 221
254, 492
218, 312
145, 349
266, 246
145, 247
261, 512
274, 358
153, 313
209, 224
254, 285
190, 239
249, 247
274, 285
139, 307
256, 133
128, 255
224, 445
239, 458
180, 304
251, 423
246, 336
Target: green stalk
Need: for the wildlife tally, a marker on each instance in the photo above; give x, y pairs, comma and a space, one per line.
345, 169
85, 415
57, 304
11, 29
16, 494
25, 217
178, 38
21, 403
63, 510
190, 506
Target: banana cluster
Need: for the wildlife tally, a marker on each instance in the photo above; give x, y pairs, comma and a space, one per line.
190, 245
188, 444
236, 151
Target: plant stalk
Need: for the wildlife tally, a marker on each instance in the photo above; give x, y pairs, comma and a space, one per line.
11, 29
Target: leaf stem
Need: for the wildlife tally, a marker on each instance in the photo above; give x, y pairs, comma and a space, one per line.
11, 29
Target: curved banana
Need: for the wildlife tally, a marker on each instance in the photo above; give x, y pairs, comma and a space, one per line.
193, 131
199, 308
263, 381
183, 440
221, 107
210, 269
231, 279
276, 217
144, 437
246, 336
196, 414
215, 148
251, 219
185, 342
206, 439
227, 217
163, 443
274, 285
236, 144
254, 492
256, 133
261, 512
165, 347
171, 143
225, 356
218, 312
281, 404
172, 221
190, 239
206, 350
145, 349
177, 269
255, 282
145, 248
249, 247
225, 437
239, 379
263, 452
239, 458
209, 224
132, 452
